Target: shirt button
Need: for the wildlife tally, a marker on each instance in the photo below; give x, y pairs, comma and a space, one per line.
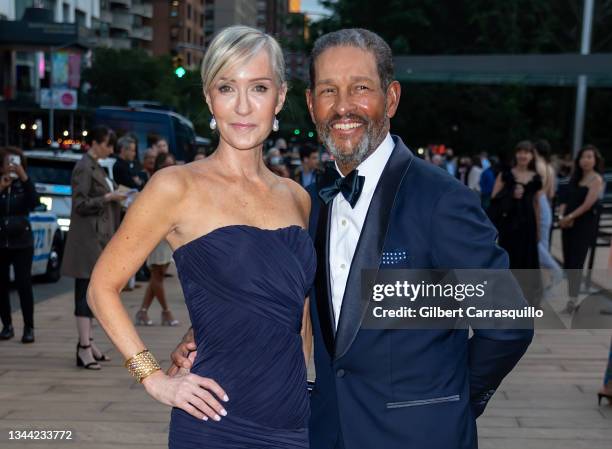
343, 266
340, 373
343, 222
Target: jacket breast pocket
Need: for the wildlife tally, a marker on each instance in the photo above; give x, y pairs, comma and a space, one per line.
421, 402
395, 259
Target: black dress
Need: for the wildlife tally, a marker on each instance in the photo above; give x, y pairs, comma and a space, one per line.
578, 238
517, 225
518, 229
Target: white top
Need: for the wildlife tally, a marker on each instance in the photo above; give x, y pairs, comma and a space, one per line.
346, 222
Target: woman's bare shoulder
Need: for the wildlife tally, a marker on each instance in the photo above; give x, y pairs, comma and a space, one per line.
300, 195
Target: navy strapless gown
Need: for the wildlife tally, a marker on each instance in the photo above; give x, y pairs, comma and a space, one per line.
245, 288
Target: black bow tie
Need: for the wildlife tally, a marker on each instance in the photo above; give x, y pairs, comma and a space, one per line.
332, 183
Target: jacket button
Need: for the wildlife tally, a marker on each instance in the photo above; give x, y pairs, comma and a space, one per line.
340, 373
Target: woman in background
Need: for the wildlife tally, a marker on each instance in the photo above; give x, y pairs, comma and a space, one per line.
549, 177
578, 217
94, 218
158, 263
515, 209
17, 199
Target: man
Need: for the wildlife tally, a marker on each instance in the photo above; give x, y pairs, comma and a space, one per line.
389, 389
307, 173
124, 169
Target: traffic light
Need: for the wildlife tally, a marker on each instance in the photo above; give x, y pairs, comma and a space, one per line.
177, 63
296, 131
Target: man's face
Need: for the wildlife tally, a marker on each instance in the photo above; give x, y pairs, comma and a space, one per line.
348, 105
312, 161
129, 153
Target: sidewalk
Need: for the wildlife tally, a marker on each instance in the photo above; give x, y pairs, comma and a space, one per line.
548, 401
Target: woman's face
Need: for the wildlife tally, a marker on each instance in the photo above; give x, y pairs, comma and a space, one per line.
587, 160
244, 101
169, 161
523, 158
103, 150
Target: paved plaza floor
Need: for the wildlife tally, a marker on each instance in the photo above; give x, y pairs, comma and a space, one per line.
548, 401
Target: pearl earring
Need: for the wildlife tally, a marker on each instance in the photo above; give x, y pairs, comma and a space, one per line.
213, 124
275, 125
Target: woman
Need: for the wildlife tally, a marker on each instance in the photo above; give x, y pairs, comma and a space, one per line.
244, 261
514, 210
93, 220
578, 217
158, 263
473, 179
17, 199
548, 176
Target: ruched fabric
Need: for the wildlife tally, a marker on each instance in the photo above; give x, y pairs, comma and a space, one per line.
244, 288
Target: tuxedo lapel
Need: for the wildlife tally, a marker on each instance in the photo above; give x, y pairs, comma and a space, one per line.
370, 246
322, 283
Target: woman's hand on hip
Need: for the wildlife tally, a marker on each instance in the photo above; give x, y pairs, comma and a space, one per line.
199, 396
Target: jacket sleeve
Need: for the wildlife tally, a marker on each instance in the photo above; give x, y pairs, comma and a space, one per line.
84, 204
31, 197
463, 237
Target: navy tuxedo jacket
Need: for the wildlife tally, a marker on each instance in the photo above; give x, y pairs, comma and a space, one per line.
408, 389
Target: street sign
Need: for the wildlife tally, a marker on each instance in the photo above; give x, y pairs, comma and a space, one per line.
62, 99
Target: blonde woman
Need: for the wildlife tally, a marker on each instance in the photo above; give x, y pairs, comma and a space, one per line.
244, 260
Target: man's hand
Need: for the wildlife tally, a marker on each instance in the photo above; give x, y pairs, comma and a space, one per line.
184, 355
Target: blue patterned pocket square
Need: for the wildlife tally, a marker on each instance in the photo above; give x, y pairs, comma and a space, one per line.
394, 257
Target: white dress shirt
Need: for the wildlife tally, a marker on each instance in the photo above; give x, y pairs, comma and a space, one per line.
346, 222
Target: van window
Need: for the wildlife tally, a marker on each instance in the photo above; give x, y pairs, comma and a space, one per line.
185, 141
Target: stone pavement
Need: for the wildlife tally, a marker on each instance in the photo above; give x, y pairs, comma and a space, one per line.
548, 401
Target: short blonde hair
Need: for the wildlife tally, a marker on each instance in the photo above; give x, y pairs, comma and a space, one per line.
238, 44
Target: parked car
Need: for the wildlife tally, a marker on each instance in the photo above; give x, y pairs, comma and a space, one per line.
48, 246
144, 122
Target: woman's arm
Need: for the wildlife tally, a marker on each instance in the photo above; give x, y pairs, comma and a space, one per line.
499, 184
303, 199
306, 331
536, 208
590, 199
147, 222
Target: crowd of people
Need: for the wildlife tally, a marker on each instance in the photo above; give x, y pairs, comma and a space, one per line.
521, 195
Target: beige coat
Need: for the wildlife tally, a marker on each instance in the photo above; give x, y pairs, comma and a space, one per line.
93, 221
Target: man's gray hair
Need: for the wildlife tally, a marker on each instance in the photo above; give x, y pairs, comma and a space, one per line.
124, 142
358, 38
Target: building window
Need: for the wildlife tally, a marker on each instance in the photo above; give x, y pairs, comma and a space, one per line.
189, 35
189, 11
201, 41
188, 58
201, 20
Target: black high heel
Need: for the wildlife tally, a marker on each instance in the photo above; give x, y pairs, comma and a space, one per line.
79, 361
102, 358
602, 395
